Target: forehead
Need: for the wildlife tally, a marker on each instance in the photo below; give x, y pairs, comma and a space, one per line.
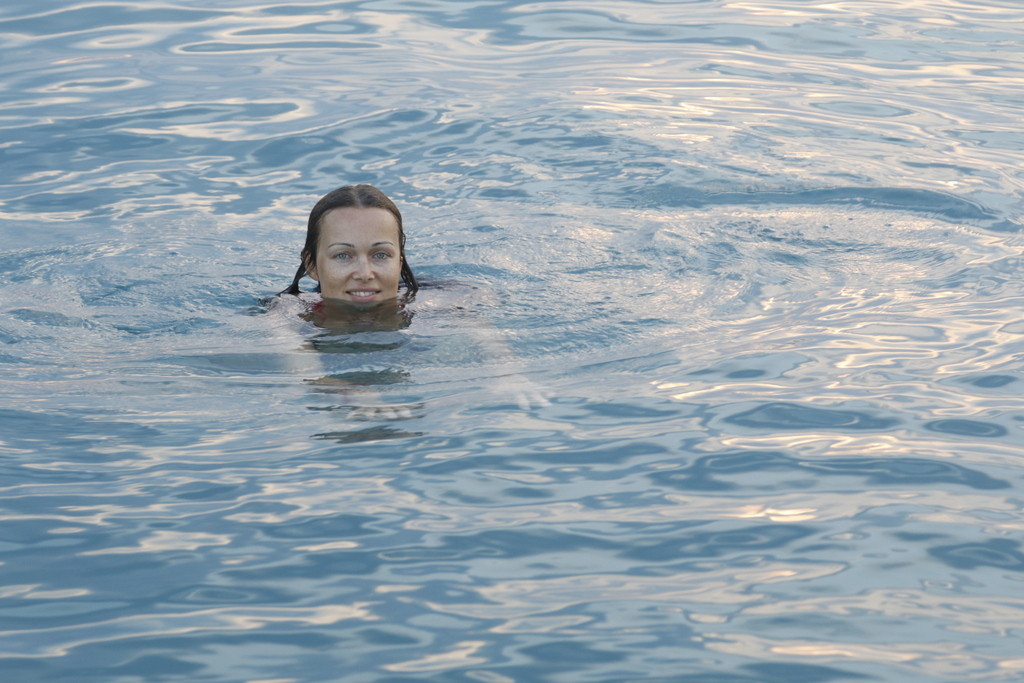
358, 225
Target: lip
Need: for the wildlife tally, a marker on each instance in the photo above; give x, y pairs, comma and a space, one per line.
362, 294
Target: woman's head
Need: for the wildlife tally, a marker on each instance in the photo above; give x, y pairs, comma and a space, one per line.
355, 246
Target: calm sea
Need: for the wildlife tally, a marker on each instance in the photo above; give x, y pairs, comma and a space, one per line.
763, 256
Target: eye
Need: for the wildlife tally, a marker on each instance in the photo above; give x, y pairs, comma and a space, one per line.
341, 255
381, 255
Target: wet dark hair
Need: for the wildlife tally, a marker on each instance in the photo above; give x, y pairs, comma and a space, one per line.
360, 197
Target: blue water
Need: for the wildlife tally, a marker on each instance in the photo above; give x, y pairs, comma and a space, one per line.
764, 258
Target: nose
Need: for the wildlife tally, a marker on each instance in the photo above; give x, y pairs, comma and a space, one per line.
364, 271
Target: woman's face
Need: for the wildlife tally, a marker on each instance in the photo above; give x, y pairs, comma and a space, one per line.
358, 258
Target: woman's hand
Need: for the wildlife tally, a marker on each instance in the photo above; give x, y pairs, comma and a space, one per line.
365, 403
383, 411
526, 394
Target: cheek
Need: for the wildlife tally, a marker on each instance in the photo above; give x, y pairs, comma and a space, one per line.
333, 265
322, 266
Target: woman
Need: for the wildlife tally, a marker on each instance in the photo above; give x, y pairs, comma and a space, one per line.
355, 250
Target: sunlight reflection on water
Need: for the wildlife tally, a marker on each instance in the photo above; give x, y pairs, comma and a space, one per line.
764, 256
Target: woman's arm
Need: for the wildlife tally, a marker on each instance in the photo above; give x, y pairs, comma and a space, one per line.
289, 325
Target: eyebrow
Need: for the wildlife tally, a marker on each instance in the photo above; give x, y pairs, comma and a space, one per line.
349, 244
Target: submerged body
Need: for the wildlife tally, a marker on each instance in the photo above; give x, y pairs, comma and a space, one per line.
360, 354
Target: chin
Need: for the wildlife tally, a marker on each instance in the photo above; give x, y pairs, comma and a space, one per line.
363, 305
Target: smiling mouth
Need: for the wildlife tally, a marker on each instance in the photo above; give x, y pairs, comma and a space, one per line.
363, 293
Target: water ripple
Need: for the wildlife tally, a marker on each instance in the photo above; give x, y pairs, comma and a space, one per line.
763, 256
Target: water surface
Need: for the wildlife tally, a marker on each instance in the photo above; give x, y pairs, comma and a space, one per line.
764, 257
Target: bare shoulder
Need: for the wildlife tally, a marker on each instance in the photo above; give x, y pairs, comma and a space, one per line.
290, 310
453, 295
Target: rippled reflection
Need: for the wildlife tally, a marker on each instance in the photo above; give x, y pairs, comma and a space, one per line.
763, 255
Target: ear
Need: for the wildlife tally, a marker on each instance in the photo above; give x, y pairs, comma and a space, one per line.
310, 266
